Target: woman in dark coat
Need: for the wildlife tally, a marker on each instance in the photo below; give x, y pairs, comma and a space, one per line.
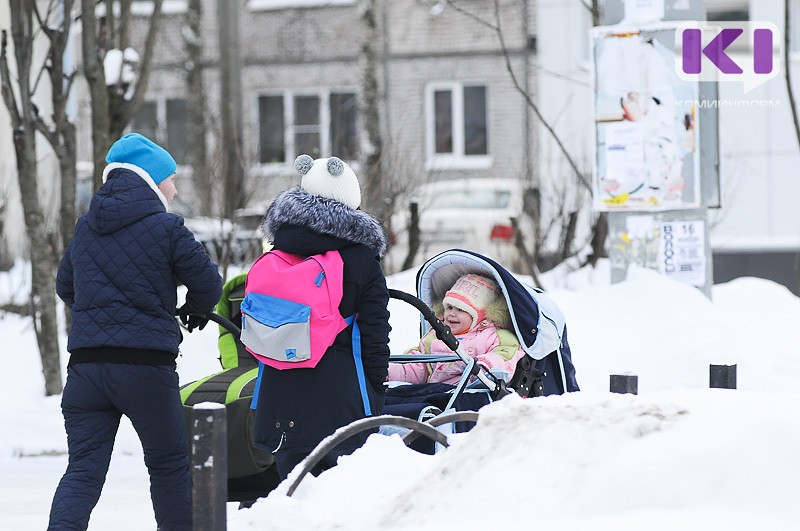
297, 408
119, 276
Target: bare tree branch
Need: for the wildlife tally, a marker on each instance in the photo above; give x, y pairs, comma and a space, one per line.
5, 78
124, 24
474, 17
110, 22
145, 66
496, 27
49, 134
581, 178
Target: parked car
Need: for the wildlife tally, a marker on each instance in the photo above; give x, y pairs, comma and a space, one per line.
472, 214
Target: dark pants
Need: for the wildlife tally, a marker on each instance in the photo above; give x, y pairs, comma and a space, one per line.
94, 399
285, 461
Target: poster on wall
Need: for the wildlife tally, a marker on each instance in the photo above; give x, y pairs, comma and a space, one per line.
646, 129
682, 256
674, 243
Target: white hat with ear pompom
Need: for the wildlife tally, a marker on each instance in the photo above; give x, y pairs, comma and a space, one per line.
331, 178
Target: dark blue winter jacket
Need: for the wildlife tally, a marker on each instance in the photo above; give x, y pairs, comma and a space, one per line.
120, 272
297, 408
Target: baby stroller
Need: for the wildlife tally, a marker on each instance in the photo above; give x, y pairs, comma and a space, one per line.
546, 368
251, 471
538, 323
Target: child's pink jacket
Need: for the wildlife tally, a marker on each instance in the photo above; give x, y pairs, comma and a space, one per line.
495, 348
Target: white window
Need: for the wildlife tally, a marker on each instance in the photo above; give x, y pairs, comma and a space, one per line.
320, 124
457, 126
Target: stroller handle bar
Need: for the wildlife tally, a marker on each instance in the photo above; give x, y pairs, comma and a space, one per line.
230, 326
444, 334
443, 331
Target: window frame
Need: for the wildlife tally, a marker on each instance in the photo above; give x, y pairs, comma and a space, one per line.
457, 159
161, 123
290, 148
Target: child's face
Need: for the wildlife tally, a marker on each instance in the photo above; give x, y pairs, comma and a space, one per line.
459, 321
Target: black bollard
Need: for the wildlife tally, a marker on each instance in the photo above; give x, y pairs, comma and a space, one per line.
624, 383
722, 376
209, 467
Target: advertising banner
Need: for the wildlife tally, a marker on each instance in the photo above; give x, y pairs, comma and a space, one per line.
646, 124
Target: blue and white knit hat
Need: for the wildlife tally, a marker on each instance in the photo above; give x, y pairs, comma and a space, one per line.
140, 151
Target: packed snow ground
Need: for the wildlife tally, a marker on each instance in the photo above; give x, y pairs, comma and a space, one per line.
678, 455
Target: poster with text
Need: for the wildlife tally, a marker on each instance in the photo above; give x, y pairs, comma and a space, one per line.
682, 256
647, 156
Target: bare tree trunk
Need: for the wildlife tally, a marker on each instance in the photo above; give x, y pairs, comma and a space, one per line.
62, 136
43, 246
414, 236
568, 235
196, 107
528, 260
787, 15
231, 107
96, 78
373, 175
6, 261
597, 15
67, 164
124, 24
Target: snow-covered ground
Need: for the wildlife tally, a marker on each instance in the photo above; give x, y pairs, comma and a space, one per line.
678, 455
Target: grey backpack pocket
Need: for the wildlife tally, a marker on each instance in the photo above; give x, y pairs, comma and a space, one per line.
276, 328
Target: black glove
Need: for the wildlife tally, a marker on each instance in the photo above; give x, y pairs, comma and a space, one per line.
190, 319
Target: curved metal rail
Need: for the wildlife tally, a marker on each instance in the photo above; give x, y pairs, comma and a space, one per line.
354, 428
452, 416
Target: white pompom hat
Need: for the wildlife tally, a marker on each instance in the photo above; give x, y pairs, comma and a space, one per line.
331, 178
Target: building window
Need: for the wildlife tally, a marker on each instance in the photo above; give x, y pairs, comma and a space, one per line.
145, 121
457, 118
307, 126
344, 134
164, 122
271, 144
177, 130
318, 124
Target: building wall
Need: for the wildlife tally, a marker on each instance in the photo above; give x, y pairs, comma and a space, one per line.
299, 49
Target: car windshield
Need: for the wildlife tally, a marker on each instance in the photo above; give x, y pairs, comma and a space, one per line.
475, 198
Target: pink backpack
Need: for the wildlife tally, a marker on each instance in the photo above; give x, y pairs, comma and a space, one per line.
290, 311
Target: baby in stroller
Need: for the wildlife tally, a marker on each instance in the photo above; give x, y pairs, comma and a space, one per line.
478, 316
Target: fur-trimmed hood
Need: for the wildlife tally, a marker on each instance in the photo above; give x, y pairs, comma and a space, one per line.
496, 312
324, 216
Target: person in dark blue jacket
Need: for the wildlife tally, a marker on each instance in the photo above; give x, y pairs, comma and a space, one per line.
297, 408
119, 275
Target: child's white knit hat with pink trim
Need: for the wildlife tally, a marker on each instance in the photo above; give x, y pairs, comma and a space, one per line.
472, 294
